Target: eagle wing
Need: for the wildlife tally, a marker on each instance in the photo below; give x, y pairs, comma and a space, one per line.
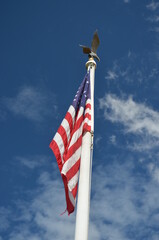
95, 42
86, 50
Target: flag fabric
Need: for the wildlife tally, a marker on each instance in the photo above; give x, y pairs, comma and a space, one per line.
67, 142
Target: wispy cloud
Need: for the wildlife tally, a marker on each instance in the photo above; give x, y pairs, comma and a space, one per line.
32, 103
156, 29
153, 6
123, 203
98, 139
133, 69
32, 162
111, 75
122, 69
154, 171
42, 212
153, 73
153, 19
113, 139
145, 143
126, 1
4, 218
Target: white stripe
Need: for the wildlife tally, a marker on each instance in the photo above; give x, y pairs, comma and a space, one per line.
80, 113
71, 161
73, 181
59, 142
73, 201
88, 110
88, 101
76, 135
82, 110
71, 110
86, 120
66, 126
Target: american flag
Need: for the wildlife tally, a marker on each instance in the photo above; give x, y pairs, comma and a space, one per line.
67, 142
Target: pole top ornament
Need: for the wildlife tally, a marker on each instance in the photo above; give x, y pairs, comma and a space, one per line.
92, 51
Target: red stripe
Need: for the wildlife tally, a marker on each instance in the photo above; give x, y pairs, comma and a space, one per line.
87, 115
63, 135
76, 127
68, 117
73, 170
74, 191
88, 105
78, 143
73, 148
70, 207
77, 124
86, 128
53, 145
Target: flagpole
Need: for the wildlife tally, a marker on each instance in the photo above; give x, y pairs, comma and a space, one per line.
84, 187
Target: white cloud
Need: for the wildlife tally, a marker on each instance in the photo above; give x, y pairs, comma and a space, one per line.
42, 213
154, 171
44, 209
32, 161
123, 70
152, 6
133, 70
146, 143
113, 181
98, 139
153, 19
137, 118
129, 54
156, 174
122, 202
156, 29
153, 73
4, 218
111, 75
126, 1
31, 103
113, 139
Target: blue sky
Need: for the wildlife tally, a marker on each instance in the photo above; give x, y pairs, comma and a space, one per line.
41, 68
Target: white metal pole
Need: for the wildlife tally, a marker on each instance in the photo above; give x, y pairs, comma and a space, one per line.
84, 186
